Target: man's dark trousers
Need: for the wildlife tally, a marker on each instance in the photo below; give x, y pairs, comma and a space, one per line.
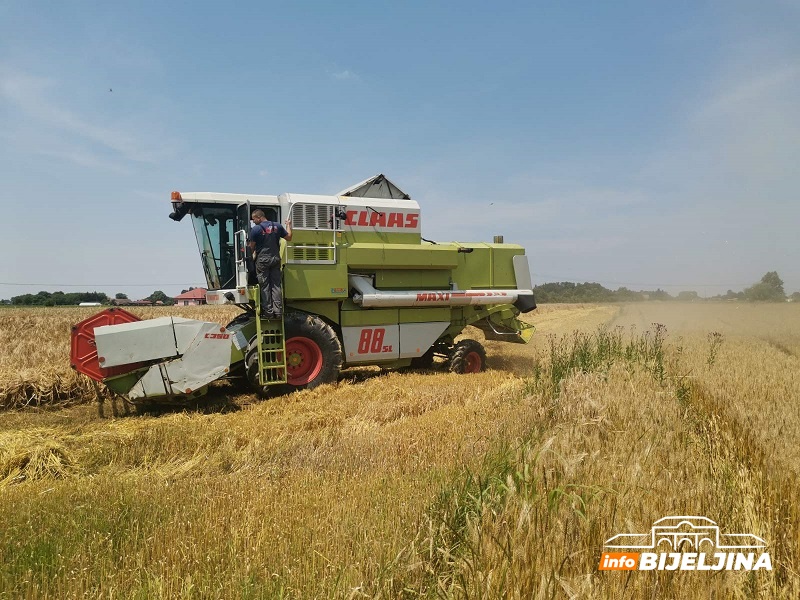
268, 271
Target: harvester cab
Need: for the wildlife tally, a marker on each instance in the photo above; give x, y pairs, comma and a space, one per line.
360, 286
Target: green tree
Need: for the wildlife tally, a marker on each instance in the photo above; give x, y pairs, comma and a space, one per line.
159, 296
623, 294
769, 289
660, 294
121, 296
566, 291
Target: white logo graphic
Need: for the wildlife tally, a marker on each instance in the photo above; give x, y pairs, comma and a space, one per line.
686, 532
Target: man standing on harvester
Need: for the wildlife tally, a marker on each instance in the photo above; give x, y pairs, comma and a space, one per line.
265, 242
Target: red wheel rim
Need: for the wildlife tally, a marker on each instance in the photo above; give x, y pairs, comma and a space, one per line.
303, 360
473, 361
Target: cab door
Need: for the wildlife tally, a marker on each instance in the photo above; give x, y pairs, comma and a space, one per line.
243, 254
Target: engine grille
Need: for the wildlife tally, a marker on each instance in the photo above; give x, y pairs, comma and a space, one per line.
316, 253
312, 216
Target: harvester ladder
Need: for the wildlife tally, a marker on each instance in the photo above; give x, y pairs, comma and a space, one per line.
271, 347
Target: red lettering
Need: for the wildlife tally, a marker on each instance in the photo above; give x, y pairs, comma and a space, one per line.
377, 340
371, 341
434, 296
374, 218
377, 218
364, 341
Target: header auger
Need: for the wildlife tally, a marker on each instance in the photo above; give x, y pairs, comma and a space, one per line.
360, 287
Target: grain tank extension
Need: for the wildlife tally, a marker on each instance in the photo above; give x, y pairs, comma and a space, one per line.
360, 285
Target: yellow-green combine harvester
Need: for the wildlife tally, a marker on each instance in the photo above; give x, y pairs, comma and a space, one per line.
360, 284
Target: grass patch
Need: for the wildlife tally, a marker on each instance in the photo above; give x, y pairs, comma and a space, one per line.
597, 352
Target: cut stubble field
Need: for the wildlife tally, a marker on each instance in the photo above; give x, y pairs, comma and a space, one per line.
503, 484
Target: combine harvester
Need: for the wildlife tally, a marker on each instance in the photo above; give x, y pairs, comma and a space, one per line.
360, 284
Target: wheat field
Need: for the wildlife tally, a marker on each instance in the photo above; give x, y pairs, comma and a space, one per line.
503, 484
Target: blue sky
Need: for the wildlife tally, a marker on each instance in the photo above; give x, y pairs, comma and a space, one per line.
644, 144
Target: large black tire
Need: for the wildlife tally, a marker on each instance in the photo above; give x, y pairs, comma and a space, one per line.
468, 357
313, 353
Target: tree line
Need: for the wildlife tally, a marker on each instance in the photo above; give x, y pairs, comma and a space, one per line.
74, 298
768, 289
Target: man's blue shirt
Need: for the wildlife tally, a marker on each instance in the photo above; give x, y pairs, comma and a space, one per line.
266, 235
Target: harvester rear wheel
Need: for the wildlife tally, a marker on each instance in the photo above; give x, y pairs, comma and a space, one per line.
313, 351
468, 357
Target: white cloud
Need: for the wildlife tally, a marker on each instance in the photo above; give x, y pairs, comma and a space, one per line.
344, 75
749, 92
518, 209
56, 130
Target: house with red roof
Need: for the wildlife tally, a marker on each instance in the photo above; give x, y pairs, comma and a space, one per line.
193, 297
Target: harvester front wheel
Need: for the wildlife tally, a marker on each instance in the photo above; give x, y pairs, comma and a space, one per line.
313, 351
468, 357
